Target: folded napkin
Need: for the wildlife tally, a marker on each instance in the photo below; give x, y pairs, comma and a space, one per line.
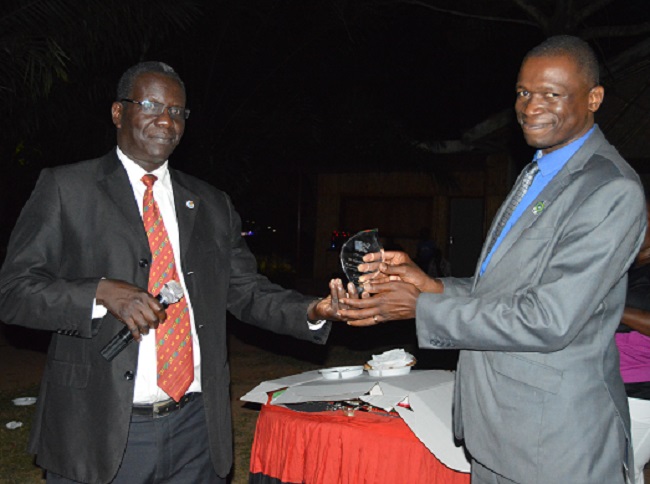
397, 358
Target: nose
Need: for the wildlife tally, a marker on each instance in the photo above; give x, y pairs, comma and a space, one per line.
164, 119
531, 105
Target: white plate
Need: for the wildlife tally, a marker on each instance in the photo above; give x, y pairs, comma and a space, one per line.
405, 370
21, 402
341, 372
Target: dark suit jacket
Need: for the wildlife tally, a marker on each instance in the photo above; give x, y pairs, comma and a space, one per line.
81, 224
539, 396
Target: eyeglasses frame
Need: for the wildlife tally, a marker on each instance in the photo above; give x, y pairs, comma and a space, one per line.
184, 116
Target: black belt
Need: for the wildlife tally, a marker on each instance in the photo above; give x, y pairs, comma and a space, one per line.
164, 408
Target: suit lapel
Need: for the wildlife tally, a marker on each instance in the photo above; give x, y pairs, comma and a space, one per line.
187, 205
493, 227
114, 182
555, 187
529, 216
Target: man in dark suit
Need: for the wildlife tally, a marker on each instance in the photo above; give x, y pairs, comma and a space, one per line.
538, 395
78, 264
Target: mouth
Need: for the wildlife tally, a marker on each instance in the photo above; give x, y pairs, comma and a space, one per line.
532, 127
163, 139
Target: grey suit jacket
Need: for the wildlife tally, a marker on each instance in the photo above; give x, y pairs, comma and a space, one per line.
81, 224
539, 397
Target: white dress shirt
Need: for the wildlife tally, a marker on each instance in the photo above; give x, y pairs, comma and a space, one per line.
146, 387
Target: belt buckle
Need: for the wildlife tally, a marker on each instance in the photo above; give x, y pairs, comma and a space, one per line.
162, 409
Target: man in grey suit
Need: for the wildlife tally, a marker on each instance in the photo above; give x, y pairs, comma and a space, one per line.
78, 264
538, 396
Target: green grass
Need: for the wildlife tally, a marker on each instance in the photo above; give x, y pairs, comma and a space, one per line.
255, 356
16, 465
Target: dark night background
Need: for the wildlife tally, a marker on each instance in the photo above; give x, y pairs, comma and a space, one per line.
279, 90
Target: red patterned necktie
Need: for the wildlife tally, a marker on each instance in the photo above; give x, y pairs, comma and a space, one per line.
174, 336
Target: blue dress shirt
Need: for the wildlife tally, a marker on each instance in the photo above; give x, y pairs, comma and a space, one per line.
549, 166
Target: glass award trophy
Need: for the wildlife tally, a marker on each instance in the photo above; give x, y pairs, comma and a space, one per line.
353, 251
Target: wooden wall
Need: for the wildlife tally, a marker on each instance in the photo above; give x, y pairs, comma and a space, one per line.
400, 204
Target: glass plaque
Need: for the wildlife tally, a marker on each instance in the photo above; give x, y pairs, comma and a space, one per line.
353, 251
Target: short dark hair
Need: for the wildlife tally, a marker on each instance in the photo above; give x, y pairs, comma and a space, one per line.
125, 84
571, 46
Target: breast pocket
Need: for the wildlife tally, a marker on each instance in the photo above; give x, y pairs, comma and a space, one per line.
531, 253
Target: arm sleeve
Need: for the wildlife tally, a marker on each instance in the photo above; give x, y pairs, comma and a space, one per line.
590, 256
254, 299
32, 291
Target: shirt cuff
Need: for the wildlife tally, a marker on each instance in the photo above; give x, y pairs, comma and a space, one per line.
99, 311
316, 325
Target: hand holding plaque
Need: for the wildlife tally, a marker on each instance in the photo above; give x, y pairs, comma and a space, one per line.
352, 253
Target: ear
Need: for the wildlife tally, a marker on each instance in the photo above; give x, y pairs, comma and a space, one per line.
116, 112
596, 96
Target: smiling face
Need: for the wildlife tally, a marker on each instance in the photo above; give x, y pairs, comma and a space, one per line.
555, 104
148, 139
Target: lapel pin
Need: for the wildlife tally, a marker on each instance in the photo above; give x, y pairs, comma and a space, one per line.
189, 204
539, 207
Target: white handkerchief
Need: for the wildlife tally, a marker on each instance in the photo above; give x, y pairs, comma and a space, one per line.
396, 358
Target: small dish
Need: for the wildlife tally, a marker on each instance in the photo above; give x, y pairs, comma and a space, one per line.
405, 370
341, 372
23, 401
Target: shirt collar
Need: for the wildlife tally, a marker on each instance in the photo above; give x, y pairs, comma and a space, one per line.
136, 172
552, 162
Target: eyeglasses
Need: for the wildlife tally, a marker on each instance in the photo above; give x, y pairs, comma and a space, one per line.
156, 109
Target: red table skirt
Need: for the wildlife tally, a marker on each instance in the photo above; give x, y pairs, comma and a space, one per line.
331, 448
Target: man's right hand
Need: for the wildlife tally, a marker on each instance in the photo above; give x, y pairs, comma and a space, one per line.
397, 266
131, 305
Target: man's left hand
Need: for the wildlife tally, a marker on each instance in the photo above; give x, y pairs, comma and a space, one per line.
329, 307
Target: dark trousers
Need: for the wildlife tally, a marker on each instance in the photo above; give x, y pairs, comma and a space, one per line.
170, 450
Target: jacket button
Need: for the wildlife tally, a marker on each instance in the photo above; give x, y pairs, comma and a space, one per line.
143, 263
128, 375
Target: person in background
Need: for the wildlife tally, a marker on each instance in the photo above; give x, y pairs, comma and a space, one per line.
538, 396
94, 244
429, 257
633, 341
426, 250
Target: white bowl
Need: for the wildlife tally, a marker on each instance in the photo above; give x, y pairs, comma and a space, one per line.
405, 370
24, 401
341, 372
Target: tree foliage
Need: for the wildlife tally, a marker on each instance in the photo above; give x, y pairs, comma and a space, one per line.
47, 46
300, 82
282, 86
592, 20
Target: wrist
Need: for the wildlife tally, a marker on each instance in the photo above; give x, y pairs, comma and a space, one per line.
433, 286
312, 311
